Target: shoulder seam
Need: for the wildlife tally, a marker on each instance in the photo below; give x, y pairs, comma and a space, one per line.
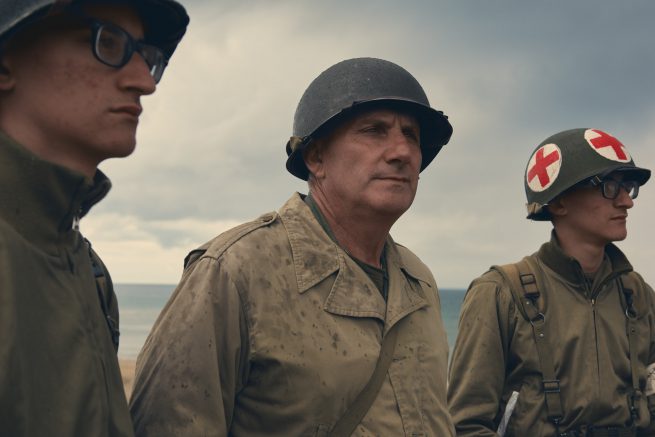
244, 230
210, 250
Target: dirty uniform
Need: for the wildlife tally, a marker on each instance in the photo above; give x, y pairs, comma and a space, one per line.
59, 374
585, 324
274, 330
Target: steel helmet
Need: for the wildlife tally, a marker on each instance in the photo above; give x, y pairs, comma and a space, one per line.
359, 83
570, 157
165, 21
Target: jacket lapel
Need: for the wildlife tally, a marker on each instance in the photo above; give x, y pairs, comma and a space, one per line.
405, 292
352, 294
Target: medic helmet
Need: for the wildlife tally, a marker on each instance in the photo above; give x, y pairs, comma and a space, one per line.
165, 21
570, 157
360, 83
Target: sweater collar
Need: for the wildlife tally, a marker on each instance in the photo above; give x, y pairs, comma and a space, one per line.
41, 199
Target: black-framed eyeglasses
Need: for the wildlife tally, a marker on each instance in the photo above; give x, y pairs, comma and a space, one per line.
114, 47
611, 188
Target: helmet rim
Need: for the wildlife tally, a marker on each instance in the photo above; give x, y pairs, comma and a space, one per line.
359, 84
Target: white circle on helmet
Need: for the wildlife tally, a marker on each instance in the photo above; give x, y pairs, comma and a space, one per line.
606, 145
543, 167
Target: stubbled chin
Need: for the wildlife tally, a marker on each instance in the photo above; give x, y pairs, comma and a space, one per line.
620, 235
121, 149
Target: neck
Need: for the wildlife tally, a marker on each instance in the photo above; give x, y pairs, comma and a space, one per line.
588, 254
362, 236
63, 155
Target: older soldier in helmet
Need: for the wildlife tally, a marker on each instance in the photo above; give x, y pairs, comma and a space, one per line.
562, 343
71, 78
312, 320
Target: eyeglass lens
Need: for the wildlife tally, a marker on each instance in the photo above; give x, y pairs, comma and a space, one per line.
112, 45
611, 188
115, 47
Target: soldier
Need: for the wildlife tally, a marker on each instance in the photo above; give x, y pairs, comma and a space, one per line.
277, 325
71, 77
563, 342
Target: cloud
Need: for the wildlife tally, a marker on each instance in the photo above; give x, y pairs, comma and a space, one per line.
211, 141
139, 251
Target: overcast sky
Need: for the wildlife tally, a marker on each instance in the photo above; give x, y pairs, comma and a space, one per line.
508, 74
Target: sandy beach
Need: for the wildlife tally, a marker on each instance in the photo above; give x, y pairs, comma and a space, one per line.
127, 370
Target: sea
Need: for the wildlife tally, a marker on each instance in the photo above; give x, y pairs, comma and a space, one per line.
140, 304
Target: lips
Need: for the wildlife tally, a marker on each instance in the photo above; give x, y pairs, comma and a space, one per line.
133, 110
620, 217
393, 178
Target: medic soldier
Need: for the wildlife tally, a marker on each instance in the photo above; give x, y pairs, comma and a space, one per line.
71, 77
312, 320
562, 343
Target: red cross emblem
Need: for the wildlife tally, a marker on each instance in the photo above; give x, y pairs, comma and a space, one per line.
543, 167
606, 145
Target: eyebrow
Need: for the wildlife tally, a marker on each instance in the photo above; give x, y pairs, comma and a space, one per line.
409, 120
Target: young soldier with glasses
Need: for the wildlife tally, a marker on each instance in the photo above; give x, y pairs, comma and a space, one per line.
71, 77
562, 343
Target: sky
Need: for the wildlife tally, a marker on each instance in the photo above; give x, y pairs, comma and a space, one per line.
210, 147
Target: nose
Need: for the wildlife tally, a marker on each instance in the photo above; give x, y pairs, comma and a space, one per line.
401, 148
135, 75
623, 200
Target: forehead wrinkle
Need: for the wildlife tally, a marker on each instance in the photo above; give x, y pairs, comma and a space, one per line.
387, 117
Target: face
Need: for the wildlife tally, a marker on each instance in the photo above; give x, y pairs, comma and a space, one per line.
592, 217
369, 165
59, 101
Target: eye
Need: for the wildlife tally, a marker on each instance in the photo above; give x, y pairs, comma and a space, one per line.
111, 43
373, 129
631, 187
611, 187
108, 41
412, 134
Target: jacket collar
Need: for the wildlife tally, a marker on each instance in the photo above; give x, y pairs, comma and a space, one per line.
569, 268
41, 199
316, 257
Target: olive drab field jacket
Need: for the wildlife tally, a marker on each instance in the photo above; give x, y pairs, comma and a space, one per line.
585, 326
59, 373
273, 331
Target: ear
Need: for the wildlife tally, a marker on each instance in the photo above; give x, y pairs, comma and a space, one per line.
313, 156
557, 207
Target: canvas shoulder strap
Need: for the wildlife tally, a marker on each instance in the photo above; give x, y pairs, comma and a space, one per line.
525, 292
357, 410
524, 289
631, 297
628, 286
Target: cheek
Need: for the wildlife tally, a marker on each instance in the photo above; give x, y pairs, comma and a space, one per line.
590, 215
83, 87
416, 159
84, 75
67, 78
595, 209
